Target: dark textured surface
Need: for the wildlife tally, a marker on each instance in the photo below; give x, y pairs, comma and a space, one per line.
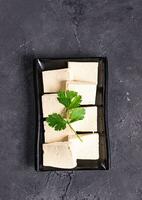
60, 28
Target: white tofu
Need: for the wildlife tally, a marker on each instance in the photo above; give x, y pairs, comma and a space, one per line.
58, 155
50, 105
89, 123
86, 89
88, 149
84, 71
50, 135
54, 80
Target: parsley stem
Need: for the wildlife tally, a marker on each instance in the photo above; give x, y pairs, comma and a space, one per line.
75, 132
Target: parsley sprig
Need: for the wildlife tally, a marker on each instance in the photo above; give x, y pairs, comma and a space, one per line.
73, 112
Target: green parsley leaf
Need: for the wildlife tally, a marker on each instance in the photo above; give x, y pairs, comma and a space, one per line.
57, 121
70, 99
73, 112
76, 114
75, 102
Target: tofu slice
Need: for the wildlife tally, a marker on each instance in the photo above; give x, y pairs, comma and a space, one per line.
51, 105
58, 155
54, 80
50, 135
86, 89
88, 149
84, 71
89, 123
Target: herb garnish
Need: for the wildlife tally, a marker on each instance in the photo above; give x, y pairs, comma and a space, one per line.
73, 112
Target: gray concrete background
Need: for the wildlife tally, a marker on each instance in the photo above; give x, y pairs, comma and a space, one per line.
68, 28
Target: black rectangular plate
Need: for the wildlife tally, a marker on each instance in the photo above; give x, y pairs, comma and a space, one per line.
42, 64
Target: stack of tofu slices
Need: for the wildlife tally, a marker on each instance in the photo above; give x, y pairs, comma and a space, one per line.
62, 149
